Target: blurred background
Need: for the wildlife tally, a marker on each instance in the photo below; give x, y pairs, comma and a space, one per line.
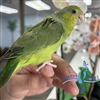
17, 16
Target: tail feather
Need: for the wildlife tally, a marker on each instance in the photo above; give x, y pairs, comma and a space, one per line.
8, 71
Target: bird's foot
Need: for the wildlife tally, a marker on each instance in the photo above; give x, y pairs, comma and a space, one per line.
46, 63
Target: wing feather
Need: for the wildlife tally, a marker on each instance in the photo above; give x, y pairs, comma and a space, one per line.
42, 35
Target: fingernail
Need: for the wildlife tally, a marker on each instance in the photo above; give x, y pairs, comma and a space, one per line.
74, 85
48, 69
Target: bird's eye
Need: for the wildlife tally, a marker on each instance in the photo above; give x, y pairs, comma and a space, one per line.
74, 11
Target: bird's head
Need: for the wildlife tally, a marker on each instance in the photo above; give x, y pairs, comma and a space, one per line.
71, 15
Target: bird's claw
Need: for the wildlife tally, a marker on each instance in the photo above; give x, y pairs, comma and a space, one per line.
46, 63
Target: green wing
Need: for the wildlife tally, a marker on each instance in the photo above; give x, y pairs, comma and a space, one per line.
42, 35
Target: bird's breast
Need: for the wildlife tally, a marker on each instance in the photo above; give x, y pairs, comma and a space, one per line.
40, 56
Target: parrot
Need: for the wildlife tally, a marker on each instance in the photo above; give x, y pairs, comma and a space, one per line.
37, 45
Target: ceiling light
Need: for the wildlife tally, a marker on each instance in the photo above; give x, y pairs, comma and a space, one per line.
7, 10
38, 5
88, 2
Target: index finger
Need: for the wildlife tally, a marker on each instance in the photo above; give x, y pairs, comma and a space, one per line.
64, 69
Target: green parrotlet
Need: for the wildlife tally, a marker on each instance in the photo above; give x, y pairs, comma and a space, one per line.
37, 45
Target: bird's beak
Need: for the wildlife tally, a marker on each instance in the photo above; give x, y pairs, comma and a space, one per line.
81, 19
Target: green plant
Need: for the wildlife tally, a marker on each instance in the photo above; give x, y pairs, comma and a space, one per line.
80, 96
86, 85
12, 26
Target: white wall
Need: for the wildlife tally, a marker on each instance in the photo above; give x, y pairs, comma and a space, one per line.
5, 33
78, 59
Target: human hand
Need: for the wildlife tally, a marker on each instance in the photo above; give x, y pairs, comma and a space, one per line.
27, 82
